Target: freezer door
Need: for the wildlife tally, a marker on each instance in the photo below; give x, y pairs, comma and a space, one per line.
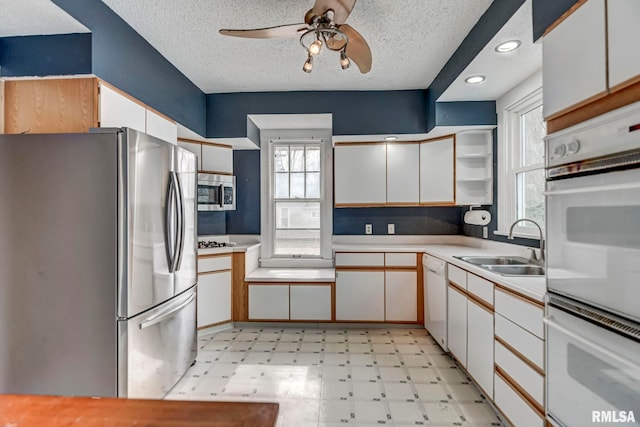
186, 169
157, 347
147, 225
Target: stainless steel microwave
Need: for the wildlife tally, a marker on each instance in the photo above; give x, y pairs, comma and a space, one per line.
216, 192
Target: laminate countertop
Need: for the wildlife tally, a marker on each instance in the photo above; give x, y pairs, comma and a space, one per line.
58, 411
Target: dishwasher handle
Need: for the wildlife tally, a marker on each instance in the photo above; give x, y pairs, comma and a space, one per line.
434, 265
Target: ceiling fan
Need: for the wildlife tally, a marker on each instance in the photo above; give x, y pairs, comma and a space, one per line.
324, 25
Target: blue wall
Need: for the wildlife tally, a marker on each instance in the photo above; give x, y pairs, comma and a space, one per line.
407, 220
123, 58
546, 12
61, 54
212, 223
354, 113
246, 218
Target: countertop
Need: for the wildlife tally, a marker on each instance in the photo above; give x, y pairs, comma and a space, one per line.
56, 411
228, 249
292, 275
379, 247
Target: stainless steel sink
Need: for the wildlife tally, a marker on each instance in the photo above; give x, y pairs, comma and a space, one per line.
494, 260
516, 270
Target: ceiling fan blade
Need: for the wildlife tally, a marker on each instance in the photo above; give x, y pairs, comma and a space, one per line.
278, 32
357, 49
341, 8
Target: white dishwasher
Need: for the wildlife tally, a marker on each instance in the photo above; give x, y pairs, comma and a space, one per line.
435, 299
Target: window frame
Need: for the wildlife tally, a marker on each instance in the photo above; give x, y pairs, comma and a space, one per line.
509, 152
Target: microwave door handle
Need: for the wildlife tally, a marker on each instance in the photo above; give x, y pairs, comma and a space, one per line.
168, 222
221, 189
181, 224
593, 189
620, 359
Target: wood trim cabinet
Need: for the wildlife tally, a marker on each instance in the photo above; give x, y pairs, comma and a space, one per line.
437, 171
295, 301
215, 296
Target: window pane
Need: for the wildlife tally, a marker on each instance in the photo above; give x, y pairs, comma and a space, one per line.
530, 200
297, 214
281, 160
297, 242
282, 186
313, 185
297, 159
313, 159
533, 130
297, 185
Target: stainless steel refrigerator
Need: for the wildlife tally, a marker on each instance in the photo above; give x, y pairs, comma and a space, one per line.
97, 264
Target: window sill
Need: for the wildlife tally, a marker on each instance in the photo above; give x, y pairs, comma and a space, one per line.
533, 236
295, 263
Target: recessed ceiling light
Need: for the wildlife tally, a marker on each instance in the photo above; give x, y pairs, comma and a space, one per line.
472, 80
508, 46
390, 138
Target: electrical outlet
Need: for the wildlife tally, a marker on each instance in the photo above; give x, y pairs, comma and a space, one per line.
485, 232
368, 229
391, 229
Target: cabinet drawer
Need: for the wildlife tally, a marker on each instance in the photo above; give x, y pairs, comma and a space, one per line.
519, 311
531, 381
310, 302
521, 340
480, 287
457, 275
514, 407
214, 263
347, 259
400, 259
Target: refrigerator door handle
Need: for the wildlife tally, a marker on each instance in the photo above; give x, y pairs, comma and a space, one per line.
163, 316
181, 226
169, 240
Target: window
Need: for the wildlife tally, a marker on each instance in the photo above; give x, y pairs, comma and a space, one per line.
296, 181
522, 163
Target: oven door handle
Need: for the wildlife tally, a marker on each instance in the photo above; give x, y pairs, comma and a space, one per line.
620, 359
593, 189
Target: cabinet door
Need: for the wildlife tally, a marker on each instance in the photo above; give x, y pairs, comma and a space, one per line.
360, 295
217, 159
624, 33
310, 302
574, 58
161, 128
480, 346
401, 296
403, 173
214, 298
457, 325
360, 174
116, 110
194, 148
269, 302
436, 171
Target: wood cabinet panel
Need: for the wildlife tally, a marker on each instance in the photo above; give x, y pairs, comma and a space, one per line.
50, 105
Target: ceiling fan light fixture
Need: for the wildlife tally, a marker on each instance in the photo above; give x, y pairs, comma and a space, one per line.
344, 60
315, 47
308, 64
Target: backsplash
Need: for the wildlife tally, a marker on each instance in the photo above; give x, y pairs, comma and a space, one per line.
212, 223
407, 220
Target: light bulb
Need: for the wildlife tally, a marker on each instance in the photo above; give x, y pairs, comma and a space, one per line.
508, 46
344, 61
315, 47
308, 65
472, 80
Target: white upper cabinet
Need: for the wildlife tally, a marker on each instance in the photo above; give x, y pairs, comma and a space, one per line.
403, 169
574, 57
161, 127
217, 159
624, 33
117, 110
360, 174
437, 171
195, 148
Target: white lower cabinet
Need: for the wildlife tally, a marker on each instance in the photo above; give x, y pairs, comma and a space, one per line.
401, 299
214, 298
457, 325
517, 410
480, 345
268, 302
360, 295
310, 302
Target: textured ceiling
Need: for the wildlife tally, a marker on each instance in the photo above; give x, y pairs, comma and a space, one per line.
411, 40
503, 71
35, 17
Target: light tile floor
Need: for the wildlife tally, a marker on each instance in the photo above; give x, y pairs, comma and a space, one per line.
360, 377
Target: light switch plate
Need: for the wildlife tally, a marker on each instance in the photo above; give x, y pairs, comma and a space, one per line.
485, 232
368, 229
391, 229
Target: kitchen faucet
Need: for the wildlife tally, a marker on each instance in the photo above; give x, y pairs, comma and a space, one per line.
533, 252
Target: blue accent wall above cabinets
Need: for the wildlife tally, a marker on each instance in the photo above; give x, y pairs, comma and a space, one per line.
407, 220
212, 223
125, 59
246, 218
354, 113
60, 54
467, 113
546, 12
